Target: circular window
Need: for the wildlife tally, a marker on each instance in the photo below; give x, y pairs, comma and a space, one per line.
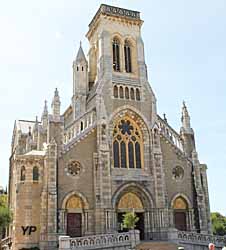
178, 173
73, 168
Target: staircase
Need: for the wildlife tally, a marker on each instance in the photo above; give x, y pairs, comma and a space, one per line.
157, 245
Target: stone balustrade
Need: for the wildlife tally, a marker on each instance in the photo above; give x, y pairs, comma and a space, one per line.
101, 241
79, 126
205, 239
170, 134
196, 241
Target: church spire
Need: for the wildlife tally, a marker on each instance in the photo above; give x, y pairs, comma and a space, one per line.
45, 116
80, 58
56, 104
185, 119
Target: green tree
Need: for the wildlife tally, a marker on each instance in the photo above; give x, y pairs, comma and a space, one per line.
129, 221
5, 214
218, 223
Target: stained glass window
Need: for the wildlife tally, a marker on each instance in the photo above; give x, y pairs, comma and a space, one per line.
123, 155
127, 144
138, 159
131, 155
116, 154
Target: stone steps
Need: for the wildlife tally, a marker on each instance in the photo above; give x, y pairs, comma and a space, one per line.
160, 245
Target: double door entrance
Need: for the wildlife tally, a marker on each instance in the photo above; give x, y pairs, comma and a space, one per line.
74, 224
139, 224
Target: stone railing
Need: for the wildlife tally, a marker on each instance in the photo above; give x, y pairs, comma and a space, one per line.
201, 238
196, 240
101, 241
79, 126
5, 243
171, 135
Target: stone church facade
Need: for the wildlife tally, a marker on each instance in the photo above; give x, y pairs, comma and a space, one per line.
76, 173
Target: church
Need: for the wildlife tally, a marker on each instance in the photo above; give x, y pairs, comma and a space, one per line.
77, 171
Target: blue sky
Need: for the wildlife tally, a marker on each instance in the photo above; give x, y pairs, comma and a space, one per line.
185, 49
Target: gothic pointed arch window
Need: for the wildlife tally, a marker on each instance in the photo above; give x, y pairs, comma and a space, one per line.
127, 53
22, 173
116, 54
35, 173
127, 144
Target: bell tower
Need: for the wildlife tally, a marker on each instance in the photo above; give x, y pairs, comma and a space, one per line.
116, 46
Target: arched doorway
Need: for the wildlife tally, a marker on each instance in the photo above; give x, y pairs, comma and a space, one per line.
180, 207
74, 206
130, 202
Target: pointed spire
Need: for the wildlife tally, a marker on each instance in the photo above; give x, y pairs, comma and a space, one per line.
36, 124
185, 119
45, 110
56, 104
45, 116
80, 55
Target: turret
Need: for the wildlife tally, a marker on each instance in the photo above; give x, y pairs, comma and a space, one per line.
36, 131
80, 83
56, 104
45, 116
187, 133
80, 73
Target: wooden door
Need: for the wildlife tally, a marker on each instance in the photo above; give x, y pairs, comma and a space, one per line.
180, 221
74, 224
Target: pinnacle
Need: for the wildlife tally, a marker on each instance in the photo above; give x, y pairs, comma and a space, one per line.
56, 93
80, 55
45, 110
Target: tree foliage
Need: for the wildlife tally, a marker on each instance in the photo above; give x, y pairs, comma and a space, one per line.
129, 221
218, 223
5, 214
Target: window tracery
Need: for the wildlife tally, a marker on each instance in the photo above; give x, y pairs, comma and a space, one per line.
127, 144
73, 168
